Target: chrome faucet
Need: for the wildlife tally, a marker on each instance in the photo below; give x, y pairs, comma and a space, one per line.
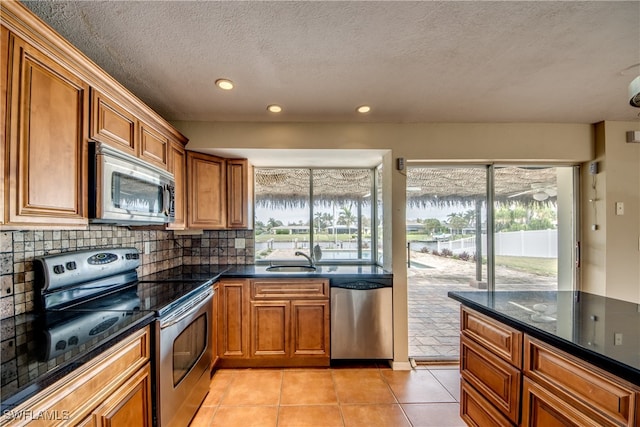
310, 259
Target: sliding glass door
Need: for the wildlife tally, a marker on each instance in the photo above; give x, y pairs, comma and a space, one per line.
480, 228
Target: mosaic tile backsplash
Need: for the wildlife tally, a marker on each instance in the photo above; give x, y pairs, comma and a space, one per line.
166, 250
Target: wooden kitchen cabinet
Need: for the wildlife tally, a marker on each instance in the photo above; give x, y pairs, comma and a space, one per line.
177, 165
219, 192
270, 329
112, 389
239, 194
557, 381
206, 187
287, 319
153, 146
511, 378
310, 335
46, 121
113, 124
233, 315
475, 410
129, 405
490, 364
118, 127
290, 319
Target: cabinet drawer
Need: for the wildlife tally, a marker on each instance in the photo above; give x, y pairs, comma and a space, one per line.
475, 410
74, 397
502, 340
541, 408
497, 380
575, 379
289, 288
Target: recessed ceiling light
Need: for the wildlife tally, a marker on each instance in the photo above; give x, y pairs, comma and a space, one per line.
274, 108
224, 84
363, 109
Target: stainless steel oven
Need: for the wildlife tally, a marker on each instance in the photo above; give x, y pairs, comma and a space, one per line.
126, 190
184, 353
82, 294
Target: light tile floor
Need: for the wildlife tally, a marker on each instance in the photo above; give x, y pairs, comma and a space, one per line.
341, 397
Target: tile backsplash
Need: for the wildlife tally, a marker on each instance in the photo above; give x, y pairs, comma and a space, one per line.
166, 250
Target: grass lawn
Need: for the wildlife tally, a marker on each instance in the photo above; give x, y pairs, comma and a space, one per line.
540, 266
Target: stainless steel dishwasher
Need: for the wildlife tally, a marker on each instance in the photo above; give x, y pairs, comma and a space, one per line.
361, 318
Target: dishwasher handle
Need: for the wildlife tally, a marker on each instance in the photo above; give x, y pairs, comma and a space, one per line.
360, 285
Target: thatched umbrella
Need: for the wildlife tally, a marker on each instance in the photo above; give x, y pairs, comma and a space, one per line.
435, 186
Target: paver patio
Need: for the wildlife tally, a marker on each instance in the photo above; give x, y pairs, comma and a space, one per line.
434, 318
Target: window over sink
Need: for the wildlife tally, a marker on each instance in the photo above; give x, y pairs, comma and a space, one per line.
329, 214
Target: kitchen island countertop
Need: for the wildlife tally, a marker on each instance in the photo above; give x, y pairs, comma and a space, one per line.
582, 324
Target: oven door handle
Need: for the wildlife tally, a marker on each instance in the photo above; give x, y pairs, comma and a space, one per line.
190, 308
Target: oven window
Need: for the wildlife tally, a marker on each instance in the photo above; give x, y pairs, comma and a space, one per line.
188, 348
133, 194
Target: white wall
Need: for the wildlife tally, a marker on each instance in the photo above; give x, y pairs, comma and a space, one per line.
611, 262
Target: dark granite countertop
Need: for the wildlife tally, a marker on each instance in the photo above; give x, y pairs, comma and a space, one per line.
35, 357
602, 331
322, 270
31, 360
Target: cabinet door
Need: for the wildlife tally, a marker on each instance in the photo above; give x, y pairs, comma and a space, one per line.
47, 149
310, 328
129, 405
112, 124
177, 165
233, 331
239, 194
270, 328
153, 146
206, 191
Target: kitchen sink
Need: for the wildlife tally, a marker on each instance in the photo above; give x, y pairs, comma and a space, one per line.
291, 268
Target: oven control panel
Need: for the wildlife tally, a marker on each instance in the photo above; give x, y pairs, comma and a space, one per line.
70, 268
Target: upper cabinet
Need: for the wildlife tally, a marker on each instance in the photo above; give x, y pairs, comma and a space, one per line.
206, 186
116, 126
54, 99
220, 192
46, 142
239, 194
153, 146
177, 165
112, 124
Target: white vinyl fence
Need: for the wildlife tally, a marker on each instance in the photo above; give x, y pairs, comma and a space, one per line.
534, 243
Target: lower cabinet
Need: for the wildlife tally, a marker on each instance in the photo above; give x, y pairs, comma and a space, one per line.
561, 389
129, 405
274, 322
113, 389
509, 378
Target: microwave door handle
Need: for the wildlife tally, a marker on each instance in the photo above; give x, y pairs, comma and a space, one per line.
166, 195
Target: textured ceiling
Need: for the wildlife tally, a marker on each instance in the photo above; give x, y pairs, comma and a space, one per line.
411, 61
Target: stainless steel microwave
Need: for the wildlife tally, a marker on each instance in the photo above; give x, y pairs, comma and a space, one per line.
126, 190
